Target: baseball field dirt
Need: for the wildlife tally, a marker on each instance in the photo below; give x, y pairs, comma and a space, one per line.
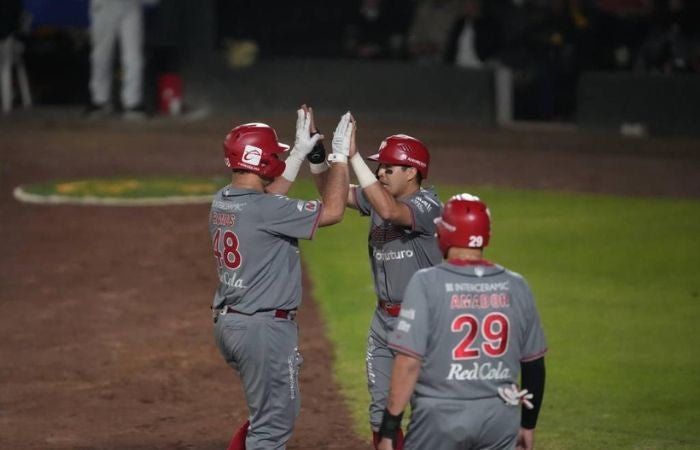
106, 330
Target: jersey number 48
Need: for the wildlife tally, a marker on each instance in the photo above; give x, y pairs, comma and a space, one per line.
226, 249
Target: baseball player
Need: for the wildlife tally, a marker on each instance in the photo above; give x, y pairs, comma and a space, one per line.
255, 245
401, 240
468, 328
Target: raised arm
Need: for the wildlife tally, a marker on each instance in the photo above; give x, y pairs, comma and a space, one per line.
304, 143
320, 169
335, 190
381, 200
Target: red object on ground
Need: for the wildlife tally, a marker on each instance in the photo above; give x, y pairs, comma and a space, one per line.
170, 93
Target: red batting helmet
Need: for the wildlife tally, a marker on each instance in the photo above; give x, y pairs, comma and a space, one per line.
465, 222
253, 147
404, 150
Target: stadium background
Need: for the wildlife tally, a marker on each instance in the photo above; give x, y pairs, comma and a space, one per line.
106, 339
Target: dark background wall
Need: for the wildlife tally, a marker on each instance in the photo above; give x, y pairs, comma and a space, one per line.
299, 59
661, 104
391, 89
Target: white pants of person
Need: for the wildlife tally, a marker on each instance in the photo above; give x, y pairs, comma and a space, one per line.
111, 20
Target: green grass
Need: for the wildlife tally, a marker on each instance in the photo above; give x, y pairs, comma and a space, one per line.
129, 187
618, 286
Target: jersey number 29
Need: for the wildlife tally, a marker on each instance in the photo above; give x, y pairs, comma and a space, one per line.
494, 328
226, 249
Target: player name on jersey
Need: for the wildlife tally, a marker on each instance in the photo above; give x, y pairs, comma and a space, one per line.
480, 301
218, 218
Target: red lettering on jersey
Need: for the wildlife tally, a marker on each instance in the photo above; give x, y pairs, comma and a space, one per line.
480, 301
226, 220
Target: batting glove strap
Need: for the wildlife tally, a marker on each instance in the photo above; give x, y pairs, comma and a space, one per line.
390, 426
337, 158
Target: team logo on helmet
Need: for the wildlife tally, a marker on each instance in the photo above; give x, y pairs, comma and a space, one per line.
252, 155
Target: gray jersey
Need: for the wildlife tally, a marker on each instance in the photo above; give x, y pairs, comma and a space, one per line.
254, 238
397, 252
471, 325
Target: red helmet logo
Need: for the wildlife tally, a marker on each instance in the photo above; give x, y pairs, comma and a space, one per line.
253, 147
252, 155
403, 150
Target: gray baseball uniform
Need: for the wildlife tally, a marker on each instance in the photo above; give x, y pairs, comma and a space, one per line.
254, 237
395, 254
471, 325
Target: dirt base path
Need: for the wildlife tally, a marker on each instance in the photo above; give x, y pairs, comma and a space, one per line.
106, 333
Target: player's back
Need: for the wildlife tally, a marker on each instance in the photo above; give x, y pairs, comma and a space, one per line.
481, 322
254, 237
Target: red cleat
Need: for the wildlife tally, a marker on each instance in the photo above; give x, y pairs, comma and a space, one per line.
238, 439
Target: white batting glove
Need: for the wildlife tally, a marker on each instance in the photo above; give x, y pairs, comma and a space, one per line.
303, 141
341, 135
513, 396
303, 144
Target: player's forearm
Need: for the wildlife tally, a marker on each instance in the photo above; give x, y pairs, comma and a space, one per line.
320, 180
387, 206
381, 200
533, 379
404, 376
335, 194
352, 199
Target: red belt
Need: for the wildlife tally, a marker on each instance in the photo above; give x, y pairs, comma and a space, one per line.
279, 313
393, 309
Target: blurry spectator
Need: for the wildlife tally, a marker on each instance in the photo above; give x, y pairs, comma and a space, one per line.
374, 31
669, 46
554, 43
621, 28
427, 36
10, 18
112, 21
10, 14
475, 37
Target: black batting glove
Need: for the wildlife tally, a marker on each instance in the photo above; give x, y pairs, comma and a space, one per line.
317, 154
